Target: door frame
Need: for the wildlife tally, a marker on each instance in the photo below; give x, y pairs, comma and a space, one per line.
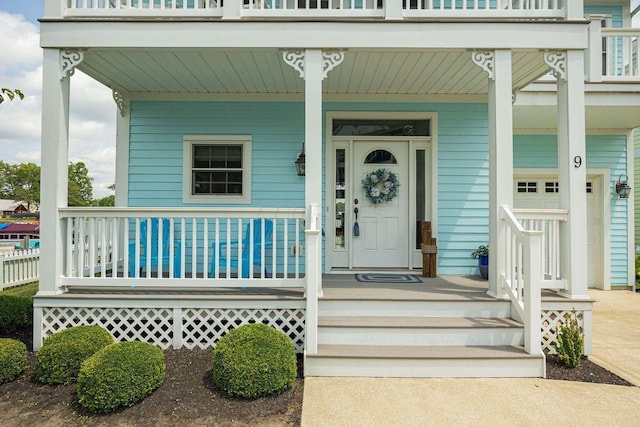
601, 179
335, 260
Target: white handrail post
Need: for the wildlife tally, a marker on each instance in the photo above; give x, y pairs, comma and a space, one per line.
392, 10
574, 9
232, 9
54, 8
532, 297
313, 278
594, 53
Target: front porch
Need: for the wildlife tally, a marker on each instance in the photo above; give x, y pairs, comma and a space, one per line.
389, 329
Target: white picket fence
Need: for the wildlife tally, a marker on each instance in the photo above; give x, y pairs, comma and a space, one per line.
19, 267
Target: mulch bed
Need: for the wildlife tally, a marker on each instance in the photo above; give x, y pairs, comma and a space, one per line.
587, 372
188, 397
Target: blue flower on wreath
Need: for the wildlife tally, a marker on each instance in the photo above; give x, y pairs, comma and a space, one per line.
380, 186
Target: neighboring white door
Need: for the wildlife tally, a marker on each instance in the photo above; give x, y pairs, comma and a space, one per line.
383, 241
542, 193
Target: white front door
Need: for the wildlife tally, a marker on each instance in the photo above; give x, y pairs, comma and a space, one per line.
383, 240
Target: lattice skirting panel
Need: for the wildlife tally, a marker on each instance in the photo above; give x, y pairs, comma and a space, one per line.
551, 321
174, 327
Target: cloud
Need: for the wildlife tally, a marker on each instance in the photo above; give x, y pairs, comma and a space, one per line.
92, 109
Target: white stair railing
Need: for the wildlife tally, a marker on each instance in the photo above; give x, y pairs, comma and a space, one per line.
548, 221
522, 276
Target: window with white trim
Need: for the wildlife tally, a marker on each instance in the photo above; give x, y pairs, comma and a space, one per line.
216, 169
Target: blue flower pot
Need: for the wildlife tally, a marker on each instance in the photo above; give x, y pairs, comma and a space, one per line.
483, 266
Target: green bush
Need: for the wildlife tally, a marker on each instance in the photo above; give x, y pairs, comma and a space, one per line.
570, 342
13, 359
58, 360
15, 313
120, 375
254, 360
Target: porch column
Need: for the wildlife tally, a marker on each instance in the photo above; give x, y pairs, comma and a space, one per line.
122, 149
57, 69
497, 64
313, 65
568, 67
313, 175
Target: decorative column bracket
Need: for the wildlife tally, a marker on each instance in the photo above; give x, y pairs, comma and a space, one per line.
485, 60
122, 102
69, 60
557, 61
330, 60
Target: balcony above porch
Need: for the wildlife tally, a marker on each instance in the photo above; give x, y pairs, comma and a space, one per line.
313, 9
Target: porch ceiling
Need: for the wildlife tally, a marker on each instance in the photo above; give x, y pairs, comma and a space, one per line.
203, 71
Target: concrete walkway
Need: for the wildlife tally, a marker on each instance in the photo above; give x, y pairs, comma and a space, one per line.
496, 402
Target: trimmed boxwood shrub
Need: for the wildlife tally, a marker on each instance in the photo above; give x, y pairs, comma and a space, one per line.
13, 359
254, 360
120, 374
58, 360
15, 313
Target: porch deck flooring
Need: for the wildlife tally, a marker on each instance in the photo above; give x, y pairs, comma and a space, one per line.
453, 288
335, 287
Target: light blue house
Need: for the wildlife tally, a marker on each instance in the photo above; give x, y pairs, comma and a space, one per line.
278, 148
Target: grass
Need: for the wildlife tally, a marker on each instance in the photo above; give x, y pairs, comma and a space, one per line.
28, 290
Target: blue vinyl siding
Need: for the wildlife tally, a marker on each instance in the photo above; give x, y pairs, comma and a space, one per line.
603, 151
155, 148
614, 11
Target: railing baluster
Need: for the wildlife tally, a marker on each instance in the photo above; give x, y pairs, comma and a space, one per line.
70, 247
297, 256
239, 254
205, 248
102, 230
183, 246
148, 250
194, 246
125, 248
171, 248
92, 247
285, 250
274, 248
216, 251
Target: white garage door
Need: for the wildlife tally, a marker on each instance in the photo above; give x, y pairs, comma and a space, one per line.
542, 193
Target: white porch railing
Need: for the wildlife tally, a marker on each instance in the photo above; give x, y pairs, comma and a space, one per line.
548, 221
321, 9
521, 277
620, 54
200, 247
484, 8
19, 267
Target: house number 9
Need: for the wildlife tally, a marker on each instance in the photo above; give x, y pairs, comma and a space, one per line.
577, 162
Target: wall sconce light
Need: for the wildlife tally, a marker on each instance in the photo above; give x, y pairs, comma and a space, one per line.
300, 163
622, 187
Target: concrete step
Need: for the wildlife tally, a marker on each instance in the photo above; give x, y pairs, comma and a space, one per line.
419, 331
423, 361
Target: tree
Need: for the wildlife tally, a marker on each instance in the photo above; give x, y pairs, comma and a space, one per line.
80, 185
107, 201
23, 183
11, 94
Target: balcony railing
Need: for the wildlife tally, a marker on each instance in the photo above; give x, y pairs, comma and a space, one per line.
620, 56
200, 247
320, 9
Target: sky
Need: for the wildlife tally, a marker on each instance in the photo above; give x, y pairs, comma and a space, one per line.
93, 112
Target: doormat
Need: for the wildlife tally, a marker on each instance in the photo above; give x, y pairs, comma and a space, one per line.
387, 278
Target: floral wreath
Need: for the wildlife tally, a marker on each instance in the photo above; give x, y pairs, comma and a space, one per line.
380, 186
